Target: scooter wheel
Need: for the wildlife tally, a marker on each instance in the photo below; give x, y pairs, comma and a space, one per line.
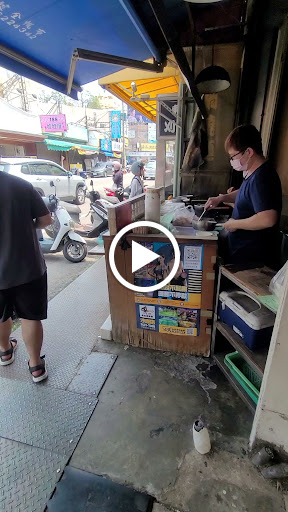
75, 251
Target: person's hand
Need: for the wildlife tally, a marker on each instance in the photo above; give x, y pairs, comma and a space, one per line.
230, 225
213, 202
231, 189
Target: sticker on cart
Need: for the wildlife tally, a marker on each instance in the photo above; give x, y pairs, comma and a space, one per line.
167, 319
193, 257
147, 311
185, 289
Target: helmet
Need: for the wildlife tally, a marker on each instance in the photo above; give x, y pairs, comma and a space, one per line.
137, 167
117, 166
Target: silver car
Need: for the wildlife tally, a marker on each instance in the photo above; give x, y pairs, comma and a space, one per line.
41, 172
150, 170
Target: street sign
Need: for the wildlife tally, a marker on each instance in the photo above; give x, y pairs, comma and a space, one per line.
167, 116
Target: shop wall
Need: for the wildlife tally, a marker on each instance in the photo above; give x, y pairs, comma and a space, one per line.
12, 150
213, 176
31, 149
47, 154
138, 133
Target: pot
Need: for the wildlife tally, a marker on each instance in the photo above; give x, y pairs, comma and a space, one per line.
204, 224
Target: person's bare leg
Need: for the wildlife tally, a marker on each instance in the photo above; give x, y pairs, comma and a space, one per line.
32, 332
5, 331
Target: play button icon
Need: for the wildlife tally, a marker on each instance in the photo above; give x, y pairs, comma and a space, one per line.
141, 256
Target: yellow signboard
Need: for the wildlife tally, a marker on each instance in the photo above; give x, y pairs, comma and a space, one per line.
148, 146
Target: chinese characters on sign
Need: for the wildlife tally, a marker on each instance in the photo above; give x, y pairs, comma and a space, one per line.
167, 124
117, 146
55, 123
148, 146
115, 124
175, 309
152, 133
18, 22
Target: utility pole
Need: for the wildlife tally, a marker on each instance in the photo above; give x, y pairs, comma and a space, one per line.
23, 93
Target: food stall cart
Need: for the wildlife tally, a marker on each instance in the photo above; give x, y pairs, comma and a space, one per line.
177, 318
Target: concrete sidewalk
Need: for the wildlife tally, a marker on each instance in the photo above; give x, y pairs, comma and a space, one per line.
139, 434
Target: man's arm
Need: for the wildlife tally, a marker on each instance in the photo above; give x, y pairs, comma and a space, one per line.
261, 220
213, 202
42, 222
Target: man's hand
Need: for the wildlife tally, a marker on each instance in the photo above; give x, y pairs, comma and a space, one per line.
44, 221
231, 225
213, 202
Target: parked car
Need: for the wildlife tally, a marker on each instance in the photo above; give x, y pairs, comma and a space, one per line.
41, 172
150, 170
101, 170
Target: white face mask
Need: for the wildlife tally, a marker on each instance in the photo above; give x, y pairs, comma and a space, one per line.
238, 166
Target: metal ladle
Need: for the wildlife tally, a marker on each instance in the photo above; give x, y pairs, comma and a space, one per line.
204, 211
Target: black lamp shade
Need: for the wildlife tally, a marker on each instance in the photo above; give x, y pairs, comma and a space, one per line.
213, 79
203, 1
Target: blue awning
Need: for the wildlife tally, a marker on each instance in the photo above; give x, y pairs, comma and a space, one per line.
37, 39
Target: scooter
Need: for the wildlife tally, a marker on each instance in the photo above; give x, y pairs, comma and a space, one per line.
98, 215
118, 195
62, 233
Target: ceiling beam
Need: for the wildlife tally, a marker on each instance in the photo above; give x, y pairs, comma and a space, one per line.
172, 39
91, 56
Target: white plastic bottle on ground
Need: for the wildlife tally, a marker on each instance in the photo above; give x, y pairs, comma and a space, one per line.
201, 438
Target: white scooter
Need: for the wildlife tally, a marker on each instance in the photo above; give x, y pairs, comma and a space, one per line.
61, 231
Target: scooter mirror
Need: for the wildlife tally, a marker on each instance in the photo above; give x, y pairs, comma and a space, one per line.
52, 184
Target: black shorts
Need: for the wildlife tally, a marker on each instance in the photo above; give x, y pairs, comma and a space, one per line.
28, 301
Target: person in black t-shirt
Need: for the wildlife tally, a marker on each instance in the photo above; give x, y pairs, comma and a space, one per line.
23, 277
253, 230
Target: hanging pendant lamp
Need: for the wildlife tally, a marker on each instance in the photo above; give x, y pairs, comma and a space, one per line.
213, 79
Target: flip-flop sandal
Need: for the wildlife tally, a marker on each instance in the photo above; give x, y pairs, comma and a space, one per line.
10, 351
42, 367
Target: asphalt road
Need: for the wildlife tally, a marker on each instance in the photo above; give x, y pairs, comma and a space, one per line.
62, 272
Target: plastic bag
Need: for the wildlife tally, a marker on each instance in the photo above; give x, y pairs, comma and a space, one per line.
277, 282
166, 220
170, 207
183, 217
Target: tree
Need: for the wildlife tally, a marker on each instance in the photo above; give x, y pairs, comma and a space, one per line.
55, 97
94, 102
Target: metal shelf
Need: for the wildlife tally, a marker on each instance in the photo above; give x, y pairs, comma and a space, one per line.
257, 360
219, 360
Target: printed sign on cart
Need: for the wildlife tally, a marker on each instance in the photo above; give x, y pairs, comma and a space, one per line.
175, 309
55, 123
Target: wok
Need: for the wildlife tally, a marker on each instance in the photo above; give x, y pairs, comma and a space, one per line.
204, 224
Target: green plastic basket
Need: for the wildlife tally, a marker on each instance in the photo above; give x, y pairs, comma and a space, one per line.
244, 374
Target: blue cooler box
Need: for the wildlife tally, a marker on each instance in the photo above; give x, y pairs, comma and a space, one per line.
247, 317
